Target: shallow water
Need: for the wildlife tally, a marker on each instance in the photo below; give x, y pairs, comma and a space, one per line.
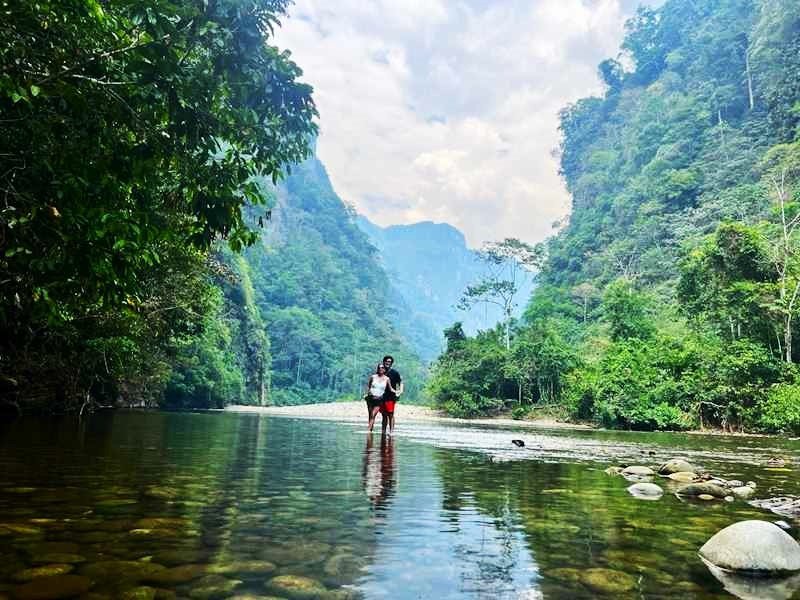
220, 505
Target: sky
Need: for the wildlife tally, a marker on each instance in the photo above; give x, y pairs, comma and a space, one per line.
447, 111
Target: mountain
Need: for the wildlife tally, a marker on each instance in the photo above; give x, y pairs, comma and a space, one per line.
429, 267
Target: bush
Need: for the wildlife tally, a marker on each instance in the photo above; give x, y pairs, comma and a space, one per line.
520, 412
780, 410
466, 406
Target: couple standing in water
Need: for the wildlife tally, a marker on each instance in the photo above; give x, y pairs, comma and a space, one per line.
384, 387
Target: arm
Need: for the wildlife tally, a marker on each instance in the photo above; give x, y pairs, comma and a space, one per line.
369, 383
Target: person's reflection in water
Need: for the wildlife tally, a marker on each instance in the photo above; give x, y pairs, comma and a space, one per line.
378, 476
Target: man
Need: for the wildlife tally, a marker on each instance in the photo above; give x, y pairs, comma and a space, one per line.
389, 397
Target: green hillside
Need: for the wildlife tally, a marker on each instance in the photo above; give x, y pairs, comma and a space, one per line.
669, 298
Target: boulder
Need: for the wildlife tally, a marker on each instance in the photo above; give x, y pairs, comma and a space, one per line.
608, 581
296, 587
758, 547
645, 491
676, 465
785, 506
683, 477
638, 470
743, 493
694, 490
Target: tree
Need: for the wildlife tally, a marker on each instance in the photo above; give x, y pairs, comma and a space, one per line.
626, 311
507, 262
781, 167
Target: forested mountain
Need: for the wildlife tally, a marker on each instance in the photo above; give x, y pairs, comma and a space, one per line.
429, 268
669, 299
308, 310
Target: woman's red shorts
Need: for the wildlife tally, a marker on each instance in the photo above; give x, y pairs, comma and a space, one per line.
388, 406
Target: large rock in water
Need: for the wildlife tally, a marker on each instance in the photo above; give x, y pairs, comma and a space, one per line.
676, 465
645, 491
638, 470
695, 490
753, 547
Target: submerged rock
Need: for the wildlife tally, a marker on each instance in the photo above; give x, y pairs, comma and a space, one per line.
676, 465
242, 568
607, 581
756, 588
296, 587
176, 575
753, 546
645, 491
53, 588
139, 593
44, 571
213, 586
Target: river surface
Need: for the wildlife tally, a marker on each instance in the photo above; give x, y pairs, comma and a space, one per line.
165, 505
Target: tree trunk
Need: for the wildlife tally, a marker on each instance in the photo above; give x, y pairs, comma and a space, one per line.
787, 338
749, 79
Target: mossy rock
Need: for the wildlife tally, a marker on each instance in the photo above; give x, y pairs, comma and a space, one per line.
53, 588
44, 571
343, 568
254, 597
139, 593
162, 492
177, 575
155, 533
48, 547
132, 570
115, 502
212, 587
242, 568
296, 587
564, 574
607, 581
178, 556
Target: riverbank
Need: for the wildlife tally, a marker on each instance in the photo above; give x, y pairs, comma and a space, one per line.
355, 412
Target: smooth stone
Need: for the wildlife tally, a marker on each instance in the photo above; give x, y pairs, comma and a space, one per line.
241, 568
683, 477
44, 571
638, 470
696, 489
743, 492
785, 506
645, 491
176, 575
676, 465
296, 587
53, 588
180, 557
705, 497
607, 581
121, 569
613, 470
139, 593
783, 525
211, 587
753, 546
734, 483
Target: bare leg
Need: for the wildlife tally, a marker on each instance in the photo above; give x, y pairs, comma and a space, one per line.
372, 416
384, 422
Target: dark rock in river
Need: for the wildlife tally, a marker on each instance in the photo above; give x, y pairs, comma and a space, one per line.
676, 465
518, 443
753, 547
53, 588
694, 490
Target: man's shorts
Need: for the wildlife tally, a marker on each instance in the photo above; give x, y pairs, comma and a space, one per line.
388, 406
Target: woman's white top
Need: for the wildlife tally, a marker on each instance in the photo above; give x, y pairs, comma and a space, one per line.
377, 385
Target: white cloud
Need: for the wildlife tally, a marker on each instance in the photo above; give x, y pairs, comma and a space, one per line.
447, 111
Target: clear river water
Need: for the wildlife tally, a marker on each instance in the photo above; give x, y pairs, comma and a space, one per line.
221, 505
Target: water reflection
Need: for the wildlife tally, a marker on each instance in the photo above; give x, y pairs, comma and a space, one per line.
219, 505
378, 473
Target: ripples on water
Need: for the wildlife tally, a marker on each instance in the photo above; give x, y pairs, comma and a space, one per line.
146, 505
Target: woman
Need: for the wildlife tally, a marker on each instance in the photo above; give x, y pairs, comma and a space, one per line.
377, 384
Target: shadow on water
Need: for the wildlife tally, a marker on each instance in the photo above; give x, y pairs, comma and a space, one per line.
212, 505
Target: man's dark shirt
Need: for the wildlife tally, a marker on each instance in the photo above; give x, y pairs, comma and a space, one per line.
395, 379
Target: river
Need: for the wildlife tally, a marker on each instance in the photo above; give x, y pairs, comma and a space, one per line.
219, 505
